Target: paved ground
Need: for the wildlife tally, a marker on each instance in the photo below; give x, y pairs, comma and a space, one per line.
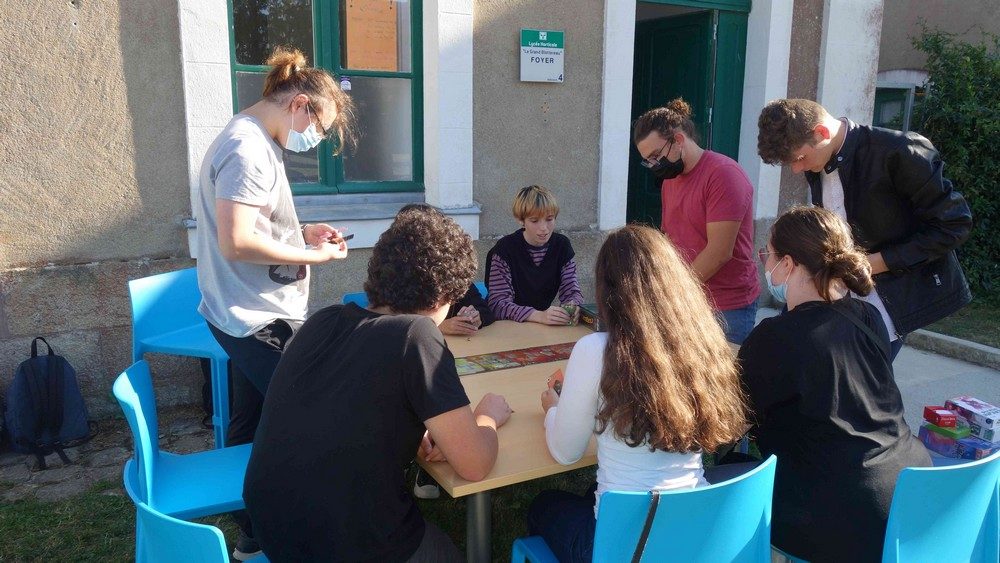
923, 378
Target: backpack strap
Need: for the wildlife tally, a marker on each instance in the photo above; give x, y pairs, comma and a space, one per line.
849, 315
57, 392
38, 405
650, 515
34, 347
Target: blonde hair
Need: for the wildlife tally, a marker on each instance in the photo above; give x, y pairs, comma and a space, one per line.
669, 379
534, 201
290, 76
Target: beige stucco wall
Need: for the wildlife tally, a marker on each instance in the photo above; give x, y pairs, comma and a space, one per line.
967, 18
535, 133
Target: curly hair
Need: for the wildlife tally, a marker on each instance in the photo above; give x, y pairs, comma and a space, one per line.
821, 241
784, 126
669, 380
665, 120
424, 259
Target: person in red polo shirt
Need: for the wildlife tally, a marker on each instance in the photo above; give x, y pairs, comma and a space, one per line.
707, 212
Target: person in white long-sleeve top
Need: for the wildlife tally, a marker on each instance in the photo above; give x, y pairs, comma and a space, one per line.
660, 387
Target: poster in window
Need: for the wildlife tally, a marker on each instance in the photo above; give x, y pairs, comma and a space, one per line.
370, 35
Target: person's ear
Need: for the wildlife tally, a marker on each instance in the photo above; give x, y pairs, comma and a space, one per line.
823, 132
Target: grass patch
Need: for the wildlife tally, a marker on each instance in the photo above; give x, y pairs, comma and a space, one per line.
979, 322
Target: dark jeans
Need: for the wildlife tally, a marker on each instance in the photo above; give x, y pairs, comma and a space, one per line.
566, 521
737, 323
252, 359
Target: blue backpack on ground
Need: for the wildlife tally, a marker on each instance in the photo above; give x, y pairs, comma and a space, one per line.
45, 410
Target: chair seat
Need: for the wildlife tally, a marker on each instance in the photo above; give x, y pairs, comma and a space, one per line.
197, 484
195, 340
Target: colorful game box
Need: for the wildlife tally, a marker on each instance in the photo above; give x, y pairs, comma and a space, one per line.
984, 418
975, 448
588, 316
936, 442
939, 416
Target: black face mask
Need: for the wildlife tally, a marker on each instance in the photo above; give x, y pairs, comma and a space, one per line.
666, 170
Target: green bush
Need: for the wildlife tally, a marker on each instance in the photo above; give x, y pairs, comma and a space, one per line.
960, 114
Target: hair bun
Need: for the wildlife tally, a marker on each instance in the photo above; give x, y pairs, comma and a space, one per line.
289, 57
679, 106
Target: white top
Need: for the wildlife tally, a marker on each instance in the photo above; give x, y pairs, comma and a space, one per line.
833, 199
570, 424
245, 165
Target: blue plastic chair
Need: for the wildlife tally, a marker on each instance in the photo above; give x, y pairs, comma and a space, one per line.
165, 319
729, 521
183, 486
946, 514
360, 299
169, 540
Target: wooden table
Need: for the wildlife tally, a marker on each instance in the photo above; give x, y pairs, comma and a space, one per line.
523, 454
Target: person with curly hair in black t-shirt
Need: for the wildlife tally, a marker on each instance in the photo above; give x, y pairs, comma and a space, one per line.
357, 393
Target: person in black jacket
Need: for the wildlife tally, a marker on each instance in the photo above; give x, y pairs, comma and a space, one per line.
820, 383
890, 188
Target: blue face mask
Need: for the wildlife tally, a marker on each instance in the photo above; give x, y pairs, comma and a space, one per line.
304, 141
777, 291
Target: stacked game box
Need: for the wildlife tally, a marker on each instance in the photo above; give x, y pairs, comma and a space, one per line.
588, 316
963, 428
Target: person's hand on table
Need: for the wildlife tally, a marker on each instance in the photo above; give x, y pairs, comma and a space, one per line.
494, 406
462, 324
554, 315
549, 399
429, 450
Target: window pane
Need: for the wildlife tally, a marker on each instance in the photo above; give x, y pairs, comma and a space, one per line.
385, 147
260, 25
301, 168
375, 35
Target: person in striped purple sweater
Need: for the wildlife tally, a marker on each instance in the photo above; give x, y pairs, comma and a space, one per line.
528, 268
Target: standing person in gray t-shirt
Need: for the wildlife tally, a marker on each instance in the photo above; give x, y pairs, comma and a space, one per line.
253, 258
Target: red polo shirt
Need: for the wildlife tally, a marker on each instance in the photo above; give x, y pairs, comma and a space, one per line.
716, 189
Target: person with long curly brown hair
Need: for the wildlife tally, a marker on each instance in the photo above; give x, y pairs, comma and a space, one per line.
355, 395
821, 385
707, 211
659, 388
253, 254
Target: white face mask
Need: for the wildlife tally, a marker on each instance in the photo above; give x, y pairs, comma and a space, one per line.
304, 141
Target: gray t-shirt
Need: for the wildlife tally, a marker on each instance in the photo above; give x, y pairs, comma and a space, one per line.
245, 165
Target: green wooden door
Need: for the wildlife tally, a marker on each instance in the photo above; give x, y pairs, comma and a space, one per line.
699, 56
672, 58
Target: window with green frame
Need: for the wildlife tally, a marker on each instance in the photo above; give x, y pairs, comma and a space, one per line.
373, 48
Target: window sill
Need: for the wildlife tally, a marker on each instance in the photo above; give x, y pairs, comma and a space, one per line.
367, 216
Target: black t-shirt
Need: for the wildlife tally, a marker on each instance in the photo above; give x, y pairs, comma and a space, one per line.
826, 403
343, 416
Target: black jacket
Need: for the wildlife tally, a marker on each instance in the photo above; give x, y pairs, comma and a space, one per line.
899, 203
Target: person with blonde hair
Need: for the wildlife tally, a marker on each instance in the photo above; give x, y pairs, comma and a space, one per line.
820, 382
253, 254
707, 211
528, 268
659, 388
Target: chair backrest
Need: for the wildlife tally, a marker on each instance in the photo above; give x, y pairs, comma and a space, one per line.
134, 391
360, 298
164, 303
946, 513
729, 521
482, 288
168, 540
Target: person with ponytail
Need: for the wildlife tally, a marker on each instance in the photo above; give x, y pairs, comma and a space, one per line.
659, 388
821, 386
707, 211
253, 254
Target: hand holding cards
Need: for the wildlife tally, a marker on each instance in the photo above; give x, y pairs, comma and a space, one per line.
555, 381
573, 310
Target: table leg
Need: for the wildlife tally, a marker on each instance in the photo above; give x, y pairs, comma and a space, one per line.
478, 527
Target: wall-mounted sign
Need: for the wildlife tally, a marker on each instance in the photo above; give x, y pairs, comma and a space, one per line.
541, 55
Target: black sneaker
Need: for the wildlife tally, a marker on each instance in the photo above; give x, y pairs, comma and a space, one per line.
246, 547
424, 486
